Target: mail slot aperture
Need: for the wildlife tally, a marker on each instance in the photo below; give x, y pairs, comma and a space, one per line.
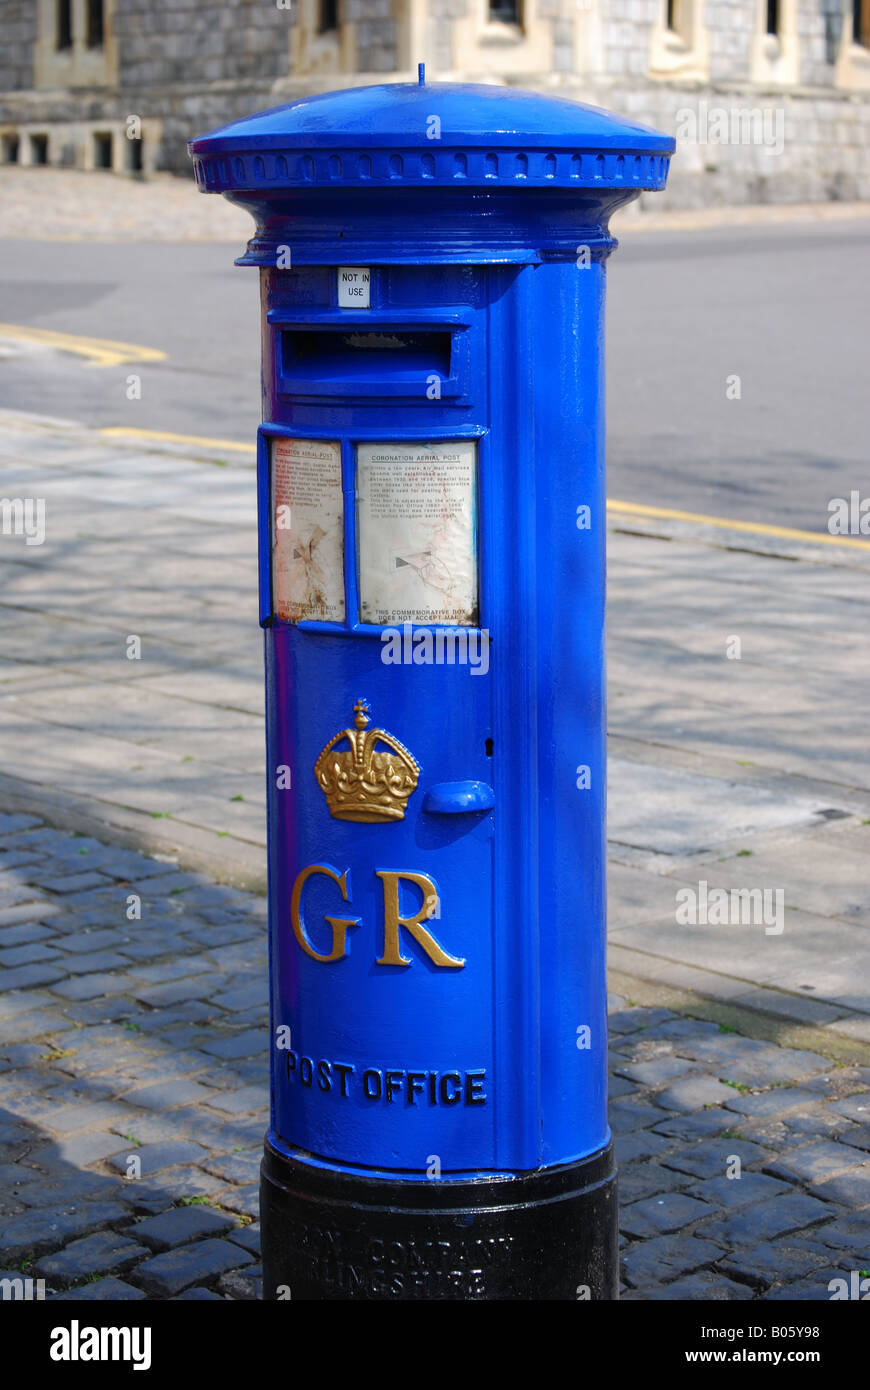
355, 361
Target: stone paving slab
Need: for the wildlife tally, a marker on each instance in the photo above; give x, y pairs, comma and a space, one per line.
131, 1127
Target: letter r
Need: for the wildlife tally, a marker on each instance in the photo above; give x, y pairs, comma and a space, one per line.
393, 922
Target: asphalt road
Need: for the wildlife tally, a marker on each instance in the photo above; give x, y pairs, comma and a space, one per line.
784, 308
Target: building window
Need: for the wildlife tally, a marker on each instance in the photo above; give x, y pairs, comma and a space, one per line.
327, 16
39, 149
134, 156
63, 37
10, 146
861, 22
102, 149
506, 12
679, 43
680, 20
75, 46
775, 51
324, 42
95, 23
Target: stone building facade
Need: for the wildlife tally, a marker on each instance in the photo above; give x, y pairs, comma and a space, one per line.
769, 99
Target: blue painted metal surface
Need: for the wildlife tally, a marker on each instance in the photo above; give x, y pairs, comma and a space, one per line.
462, 1043
458, 798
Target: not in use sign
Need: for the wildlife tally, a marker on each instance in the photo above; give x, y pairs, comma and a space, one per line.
354, 287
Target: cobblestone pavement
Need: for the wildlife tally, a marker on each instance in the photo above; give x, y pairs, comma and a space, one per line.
128, 1045
133, 1101
744, 1169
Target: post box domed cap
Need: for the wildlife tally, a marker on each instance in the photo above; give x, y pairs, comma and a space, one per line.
431, 133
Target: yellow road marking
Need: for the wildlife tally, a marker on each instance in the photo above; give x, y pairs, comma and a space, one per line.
756, 528
168, 437
103, 352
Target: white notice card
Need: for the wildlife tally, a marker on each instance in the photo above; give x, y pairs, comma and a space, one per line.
417, 533
307, 531
354, 287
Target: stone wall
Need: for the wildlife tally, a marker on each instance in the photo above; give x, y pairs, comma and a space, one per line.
17, 40
820, 28
627, 36
162, 42
439, 47
185, 66
813, 147
376, 34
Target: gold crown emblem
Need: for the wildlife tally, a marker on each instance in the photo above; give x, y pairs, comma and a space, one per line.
365, 784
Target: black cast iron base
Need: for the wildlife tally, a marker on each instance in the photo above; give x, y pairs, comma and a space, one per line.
544, 1235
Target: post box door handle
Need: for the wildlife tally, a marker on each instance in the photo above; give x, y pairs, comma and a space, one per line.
458, 798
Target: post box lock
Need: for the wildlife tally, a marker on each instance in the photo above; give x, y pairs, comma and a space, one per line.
432, 420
